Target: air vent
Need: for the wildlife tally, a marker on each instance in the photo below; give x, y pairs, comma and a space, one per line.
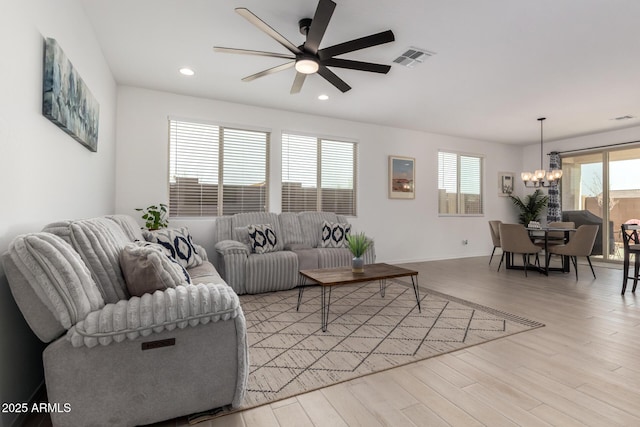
627, 117
413, 56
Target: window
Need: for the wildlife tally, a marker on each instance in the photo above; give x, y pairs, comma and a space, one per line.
459, 184
318, 175
215, 170
605, 183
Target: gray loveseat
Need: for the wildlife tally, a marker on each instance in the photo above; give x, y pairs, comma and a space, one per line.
298, 248
118, 360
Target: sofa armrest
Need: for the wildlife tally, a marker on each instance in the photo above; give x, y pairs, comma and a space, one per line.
232, 259
172, 308
228, 247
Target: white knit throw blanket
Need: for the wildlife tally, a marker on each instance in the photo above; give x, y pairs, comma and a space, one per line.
179, 307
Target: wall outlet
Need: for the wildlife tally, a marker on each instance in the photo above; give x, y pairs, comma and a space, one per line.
465, 242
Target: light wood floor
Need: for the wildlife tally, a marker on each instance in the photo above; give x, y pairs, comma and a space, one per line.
581, 369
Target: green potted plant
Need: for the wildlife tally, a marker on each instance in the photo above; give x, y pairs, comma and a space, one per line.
155, 216
531, 207
358, 244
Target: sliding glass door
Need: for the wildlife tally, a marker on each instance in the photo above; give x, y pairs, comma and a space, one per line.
605, 184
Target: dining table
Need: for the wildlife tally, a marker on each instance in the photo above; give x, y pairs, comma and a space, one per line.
542, 234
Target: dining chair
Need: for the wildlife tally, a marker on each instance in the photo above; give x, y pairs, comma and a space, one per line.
494, 228
555, 237
631, 245
580, 244
514, 239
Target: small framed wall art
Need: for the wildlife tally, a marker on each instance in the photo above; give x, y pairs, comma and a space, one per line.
505, 183
402, 174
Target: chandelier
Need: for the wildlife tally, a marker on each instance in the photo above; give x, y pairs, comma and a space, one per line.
541, 177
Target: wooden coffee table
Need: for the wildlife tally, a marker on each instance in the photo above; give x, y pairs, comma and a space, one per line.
327, 278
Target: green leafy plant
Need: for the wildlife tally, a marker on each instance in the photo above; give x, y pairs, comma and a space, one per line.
358, 244
155, 217
531, 207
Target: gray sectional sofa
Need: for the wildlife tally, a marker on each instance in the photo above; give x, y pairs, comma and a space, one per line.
121, 360
297, 247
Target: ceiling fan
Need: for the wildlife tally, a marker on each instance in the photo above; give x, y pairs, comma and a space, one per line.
308, 58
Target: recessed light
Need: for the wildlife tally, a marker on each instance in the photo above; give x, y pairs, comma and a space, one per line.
323, 97
187, 71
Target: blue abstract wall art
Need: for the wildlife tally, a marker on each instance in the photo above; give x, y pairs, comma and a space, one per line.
67, 101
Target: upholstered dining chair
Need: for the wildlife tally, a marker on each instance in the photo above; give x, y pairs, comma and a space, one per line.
556, 237
494, 228
631, 243
580, 244
514, 239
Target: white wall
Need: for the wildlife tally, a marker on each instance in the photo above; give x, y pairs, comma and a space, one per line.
404, 230
46, 175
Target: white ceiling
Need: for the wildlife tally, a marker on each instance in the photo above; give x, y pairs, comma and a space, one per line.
499, 64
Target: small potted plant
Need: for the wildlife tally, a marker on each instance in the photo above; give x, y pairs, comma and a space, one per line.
155, 217
358, 244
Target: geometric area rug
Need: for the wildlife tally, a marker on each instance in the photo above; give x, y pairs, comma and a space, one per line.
289, 354
366, 333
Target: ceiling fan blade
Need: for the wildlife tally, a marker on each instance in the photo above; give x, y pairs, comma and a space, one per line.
297, 83
252, 52
357, 44
269, 71
249, 16
333, 79
319, 25
357, 65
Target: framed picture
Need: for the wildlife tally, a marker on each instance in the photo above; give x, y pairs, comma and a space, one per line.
402, 174
505, 183
66, 99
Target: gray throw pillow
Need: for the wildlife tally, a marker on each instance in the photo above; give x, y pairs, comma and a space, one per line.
147, 268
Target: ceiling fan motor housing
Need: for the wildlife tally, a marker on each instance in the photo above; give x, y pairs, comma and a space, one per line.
304, 25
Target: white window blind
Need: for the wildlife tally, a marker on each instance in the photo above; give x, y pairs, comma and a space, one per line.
318, 175
459, 184
215, 170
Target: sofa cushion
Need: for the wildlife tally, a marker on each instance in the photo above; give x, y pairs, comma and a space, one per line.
205, 273
248, 218
177, 243
270, 272
262, 238
147, 268
58, 277
334, 234
99, 242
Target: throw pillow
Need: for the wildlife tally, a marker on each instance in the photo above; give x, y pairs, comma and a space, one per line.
334, 234
177, 243
147, 268
262, 238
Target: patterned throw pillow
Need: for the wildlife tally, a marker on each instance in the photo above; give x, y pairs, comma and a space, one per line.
262, 238
334, 234
177, 243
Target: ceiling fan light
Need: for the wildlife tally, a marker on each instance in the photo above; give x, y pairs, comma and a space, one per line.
307, 66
